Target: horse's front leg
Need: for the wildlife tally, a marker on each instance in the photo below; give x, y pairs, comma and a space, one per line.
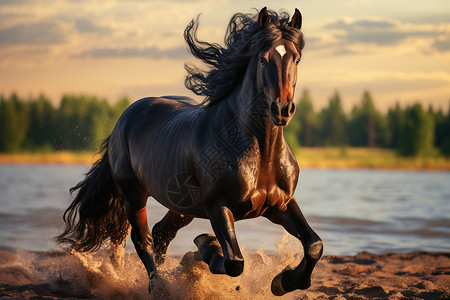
230, 260
294, 222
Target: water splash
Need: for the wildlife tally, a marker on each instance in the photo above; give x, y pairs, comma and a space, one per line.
93, 275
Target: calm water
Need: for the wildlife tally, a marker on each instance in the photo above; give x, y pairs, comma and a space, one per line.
352, 210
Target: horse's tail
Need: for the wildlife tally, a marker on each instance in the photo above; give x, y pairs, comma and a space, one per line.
97, 212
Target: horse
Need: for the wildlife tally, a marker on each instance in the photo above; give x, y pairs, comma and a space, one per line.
224, 159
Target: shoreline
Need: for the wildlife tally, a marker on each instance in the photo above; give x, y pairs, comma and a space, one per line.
50, 158
57, 275
308, 158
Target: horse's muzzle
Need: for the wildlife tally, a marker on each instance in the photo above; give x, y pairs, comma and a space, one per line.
282, 112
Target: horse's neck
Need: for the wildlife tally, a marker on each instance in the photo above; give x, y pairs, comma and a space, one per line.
255, 121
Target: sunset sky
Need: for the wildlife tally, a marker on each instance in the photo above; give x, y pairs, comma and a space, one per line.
398, 50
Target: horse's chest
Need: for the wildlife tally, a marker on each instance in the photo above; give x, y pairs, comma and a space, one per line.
266, 187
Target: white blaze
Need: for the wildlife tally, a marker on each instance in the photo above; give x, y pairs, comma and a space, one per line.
280, 49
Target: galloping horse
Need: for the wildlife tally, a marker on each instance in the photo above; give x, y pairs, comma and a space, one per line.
224, 159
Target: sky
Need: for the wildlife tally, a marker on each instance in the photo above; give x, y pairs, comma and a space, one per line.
398, 50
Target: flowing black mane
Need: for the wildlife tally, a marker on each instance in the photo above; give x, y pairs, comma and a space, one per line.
243, 40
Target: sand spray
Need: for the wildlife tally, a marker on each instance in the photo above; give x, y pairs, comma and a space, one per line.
87, 275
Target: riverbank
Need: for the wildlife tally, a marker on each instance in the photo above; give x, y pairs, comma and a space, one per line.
367, 158
57, 275
331, 158
60, 157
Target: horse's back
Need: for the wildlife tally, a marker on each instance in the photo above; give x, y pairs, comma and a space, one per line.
182, 99
145, 107
148, 112
147, 137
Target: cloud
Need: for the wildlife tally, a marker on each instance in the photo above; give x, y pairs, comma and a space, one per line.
87, 26
374, 37
442, 45
379, 32
15, 2
40, 33
150, 52
361, 24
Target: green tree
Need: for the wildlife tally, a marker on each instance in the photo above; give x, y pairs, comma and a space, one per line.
99, 119
367, 127
442, 133
118, 108
333, 123
14, 116
417, 132
308, 118
42, 124
395, 120
73, 127
84, 121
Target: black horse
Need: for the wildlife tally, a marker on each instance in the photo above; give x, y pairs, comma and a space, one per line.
224, 159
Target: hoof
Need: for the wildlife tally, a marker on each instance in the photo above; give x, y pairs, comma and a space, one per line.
211, 252
209, 248
277, 286
290, 280
151, 286
206, 240
315, 250
234, 268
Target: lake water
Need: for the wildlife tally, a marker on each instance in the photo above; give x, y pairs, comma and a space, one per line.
352, 210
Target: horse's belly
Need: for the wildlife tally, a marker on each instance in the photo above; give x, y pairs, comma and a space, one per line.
181, 193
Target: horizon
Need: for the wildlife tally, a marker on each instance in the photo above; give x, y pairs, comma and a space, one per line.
398, 51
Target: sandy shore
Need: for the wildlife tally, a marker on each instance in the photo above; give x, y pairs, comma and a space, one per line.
57, 275
389, 276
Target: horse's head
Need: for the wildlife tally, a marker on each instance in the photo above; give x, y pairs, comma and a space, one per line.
277, 70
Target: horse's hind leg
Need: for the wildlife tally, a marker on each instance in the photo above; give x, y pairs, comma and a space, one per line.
294, 222
135, 202
142, 240
165, 231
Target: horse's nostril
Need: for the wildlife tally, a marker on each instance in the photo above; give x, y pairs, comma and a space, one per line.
292, 109
274, 108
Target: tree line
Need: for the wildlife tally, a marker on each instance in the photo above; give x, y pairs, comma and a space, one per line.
81, 123
411, 131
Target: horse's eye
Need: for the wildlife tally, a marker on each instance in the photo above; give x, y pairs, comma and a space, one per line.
297, 61
262, 60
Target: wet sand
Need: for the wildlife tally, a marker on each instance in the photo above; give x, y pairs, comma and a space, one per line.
58, 275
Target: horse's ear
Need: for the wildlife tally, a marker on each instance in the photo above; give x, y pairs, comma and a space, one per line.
296, 21
263, 18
